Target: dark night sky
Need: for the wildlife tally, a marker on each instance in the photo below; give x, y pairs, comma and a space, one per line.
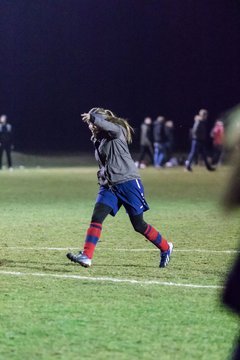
137, 57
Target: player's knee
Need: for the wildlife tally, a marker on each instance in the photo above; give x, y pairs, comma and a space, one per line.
100, 213
140, 226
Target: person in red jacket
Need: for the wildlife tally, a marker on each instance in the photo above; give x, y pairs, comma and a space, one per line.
217, 135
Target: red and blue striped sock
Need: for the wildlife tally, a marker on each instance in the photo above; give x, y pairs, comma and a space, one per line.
156, 238
92, 237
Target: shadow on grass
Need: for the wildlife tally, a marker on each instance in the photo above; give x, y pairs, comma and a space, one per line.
35, 265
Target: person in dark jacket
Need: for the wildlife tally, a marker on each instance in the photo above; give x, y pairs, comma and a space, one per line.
159, 140
146, 141
6, 140
199, 139
120, 184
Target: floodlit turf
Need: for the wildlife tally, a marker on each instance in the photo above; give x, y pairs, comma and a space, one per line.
124, 306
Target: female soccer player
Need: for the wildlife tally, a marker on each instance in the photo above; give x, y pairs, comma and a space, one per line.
120, 184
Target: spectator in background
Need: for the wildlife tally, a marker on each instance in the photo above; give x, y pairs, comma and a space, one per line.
217, 135
199, 139
145, 142
6, 140
159, 140
169, 144
196, 157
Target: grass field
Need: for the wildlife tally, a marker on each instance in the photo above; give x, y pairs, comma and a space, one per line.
124, 306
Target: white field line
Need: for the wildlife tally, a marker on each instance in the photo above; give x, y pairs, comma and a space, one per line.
23, 248
109, 279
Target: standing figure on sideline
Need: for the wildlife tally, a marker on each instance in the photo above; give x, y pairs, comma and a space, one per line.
196, 158
6, 140
169, 144
120, 184
145, 141
159, 141
217, 135
199, 139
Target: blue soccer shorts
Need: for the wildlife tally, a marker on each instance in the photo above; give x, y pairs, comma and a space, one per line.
130, 194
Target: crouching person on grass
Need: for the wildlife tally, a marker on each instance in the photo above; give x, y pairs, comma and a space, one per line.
120, 184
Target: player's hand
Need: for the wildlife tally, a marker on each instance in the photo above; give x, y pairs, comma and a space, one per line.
85, 117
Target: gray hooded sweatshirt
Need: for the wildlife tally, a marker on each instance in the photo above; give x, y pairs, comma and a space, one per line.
112, 153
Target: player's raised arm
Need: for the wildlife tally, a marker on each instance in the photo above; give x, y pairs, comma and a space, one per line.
101, 122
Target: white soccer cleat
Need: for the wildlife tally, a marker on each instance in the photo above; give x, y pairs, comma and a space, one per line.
80, 258
165, 256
